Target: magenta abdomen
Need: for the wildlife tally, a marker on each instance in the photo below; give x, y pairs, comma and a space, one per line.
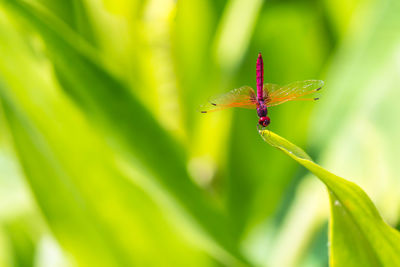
260, 77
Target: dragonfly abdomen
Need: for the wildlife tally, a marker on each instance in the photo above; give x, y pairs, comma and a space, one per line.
260, 77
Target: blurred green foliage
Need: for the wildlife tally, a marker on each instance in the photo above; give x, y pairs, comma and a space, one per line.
105, 160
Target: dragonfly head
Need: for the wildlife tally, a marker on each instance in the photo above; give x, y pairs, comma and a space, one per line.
264, 121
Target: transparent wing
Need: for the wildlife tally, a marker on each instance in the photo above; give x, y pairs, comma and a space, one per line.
276, 95
270, 87
243, 97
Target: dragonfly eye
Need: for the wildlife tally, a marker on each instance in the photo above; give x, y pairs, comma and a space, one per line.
264, 121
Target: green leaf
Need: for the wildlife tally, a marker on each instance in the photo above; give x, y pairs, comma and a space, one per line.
134, 132
96, 212
237, 24
21, 241
358, 235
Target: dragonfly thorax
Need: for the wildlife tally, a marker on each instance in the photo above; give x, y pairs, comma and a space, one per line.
262, 110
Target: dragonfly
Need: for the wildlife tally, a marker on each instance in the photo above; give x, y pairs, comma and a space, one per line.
268, 95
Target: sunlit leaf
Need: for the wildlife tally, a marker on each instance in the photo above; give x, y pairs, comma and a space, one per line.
358, 234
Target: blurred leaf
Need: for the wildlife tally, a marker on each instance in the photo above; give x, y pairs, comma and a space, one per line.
136, 134
98, 215
358, 235
88, 205
367, 59
74, 14
235, 31
38, 161
23, 246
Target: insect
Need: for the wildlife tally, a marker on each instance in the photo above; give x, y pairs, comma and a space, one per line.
268, 95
